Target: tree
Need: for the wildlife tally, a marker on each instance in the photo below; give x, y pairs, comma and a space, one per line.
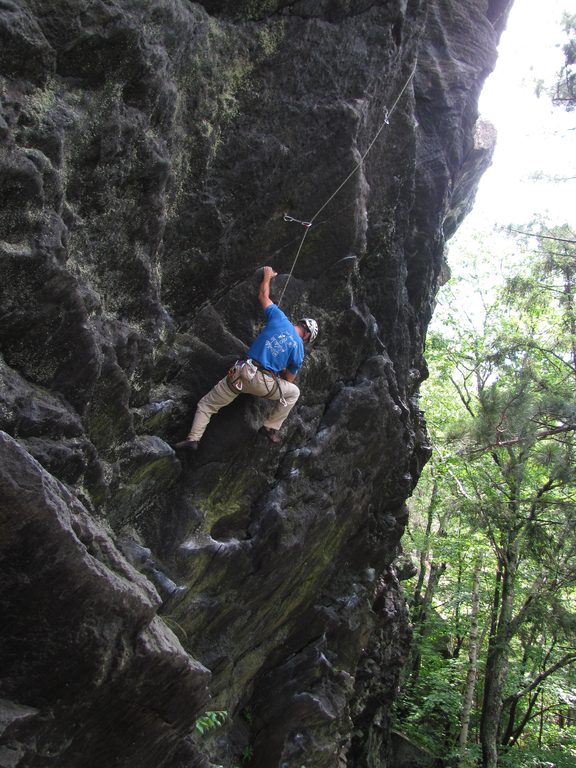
512, 444
564, 90
472, 673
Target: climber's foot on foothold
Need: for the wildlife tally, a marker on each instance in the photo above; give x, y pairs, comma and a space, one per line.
187, 445
271, 434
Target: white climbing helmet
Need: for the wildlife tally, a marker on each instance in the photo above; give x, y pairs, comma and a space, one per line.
310, 325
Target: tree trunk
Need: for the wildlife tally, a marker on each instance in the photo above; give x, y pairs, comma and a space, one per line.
420, 626
541, 723
425, 551
497, 657
421, 602
472, 665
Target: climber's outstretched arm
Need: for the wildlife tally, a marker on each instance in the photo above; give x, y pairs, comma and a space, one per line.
264, 291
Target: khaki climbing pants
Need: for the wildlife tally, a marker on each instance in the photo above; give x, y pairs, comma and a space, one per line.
261, 385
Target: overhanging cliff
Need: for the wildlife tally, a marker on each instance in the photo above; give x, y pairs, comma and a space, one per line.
149, 153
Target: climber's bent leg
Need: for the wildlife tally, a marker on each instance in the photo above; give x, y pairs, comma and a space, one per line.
219, 396
290, 393
263, 385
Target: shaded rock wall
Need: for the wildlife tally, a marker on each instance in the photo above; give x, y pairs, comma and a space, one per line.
149, 152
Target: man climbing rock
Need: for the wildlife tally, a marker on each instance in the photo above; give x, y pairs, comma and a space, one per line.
271, 365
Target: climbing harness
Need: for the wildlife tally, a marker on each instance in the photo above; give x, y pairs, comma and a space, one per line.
308, 224
245, 371
241, 371
271, 392
276, 379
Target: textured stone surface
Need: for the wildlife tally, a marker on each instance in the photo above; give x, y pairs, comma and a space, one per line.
148, 154
87, 665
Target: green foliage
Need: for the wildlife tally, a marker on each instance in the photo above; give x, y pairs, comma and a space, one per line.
564, 92
432, 709
560, 751
211, 719
499, 490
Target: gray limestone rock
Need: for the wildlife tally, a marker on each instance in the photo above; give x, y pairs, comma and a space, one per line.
83, 645
148, 154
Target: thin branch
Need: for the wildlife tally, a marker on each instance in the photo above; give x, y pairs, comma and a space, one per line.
548, 486
541, 237
536, 437
527, 717
459, 485
534, 591
567, 659
464, 399
539, 435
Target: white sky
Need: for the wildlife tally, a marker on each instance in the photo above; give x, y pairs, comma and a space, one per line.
533, 136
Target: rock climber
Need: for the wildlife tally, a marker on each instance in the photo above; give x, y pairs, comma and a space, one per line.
269, 370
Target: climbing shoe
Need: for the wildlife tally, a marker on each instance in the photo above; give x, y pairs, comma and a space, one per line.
187, 445
271, 434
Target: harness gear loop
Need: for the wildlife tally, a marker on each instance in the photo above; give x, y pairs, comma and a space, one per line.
234, 384
234, 377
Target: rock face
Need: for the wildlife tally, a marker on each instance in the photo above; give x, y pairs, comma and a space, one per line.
149, 152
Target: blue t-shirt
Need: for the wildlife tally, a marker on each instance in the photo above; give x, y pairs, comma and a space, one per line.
278, 346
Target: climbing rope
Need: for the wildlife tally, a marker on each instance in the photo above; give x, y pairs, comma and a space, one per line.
308, 224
